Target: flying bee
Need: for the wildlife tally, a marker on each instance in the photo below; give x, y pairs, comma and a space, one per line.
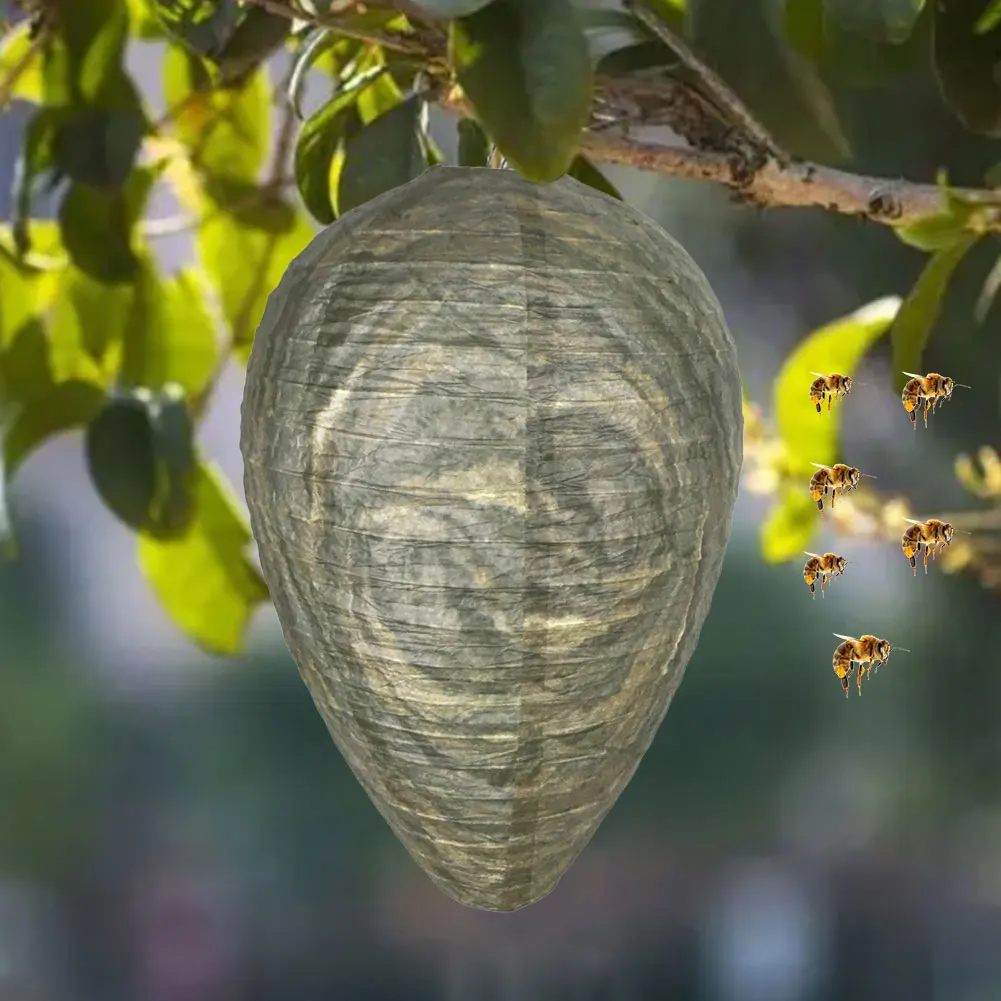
832, 479
829, 386
860, 655
928, 537
822, 568
931, 389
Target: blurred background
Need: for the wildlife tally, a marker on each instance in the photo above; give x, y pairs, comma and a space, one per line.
180, 828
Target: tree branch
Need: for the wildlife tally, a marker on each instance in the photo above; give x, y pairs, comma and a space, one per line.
769, 180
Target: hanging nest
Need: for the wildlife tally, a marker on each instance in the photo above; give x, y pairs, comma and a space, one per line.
492, 439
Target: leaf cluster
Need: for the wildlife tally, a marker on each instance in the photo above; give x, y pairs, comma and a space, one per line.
95, 337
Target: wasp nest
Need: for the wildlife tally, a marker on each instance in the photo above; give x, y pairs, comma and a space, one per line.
492, 438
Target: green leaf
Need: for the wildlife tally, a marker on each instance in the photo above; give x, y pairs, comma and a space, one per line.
227, 129
269, 233
96, 229
204, 580
587, 173
738, 39
143, 21
789, 527
889, 21
99, 147
671, 12
315, 149
836, 347
121, 458
25, 294
989, 19
67, 406
83, 65
15, 47
474, 146
804, 27
170, 336
845, 57
913, 324
204, 26
966, 65
631, 59
525, 67
258, 36
453, 8
945, 228
378, 157
174, 443
36, 159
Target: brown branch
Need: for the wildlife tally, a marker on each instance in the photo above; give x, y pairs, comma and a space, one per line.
767, 181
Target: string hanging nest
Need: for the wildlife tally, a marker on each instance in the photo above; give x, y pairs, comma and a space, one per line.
492, 438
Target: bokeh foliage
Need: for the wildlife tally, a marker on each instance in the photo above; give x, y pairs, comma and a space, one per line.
95, 337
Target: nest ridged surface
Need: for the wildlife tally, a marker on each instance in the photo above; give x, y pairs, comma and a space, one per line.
492, 439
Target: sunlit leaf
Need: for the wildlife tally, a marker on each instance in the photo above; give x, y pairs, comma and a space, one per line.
170, 337
989, 19
920, 310
318, 142
381, 155
269, 233
143, 21
789, 527
837, 347
227, 129
525, 67
204, 580
16, 50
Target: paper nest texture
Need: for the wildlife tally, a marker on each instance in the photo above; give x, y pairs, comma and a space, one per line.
492, 436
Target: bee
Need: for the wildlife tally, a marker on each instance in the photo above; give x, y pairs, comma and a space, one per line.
858, 656
927, 536
829, 386
822, 568
932, 389
831, 479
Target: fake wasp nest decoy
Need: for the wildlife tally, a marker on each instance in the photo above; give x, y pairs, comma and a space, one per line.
492, 438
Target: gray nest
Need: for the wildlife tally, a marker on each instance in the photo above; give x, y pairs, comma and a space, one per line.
492, 439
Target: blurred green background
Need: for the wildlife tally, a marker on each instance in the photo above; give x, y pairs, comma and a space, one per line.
180, 828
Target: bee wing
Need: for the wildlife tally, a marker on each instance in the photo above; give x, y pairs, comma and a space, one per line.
914, 375
814, 555
911, 521
819, 465
840, 636
819, 375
